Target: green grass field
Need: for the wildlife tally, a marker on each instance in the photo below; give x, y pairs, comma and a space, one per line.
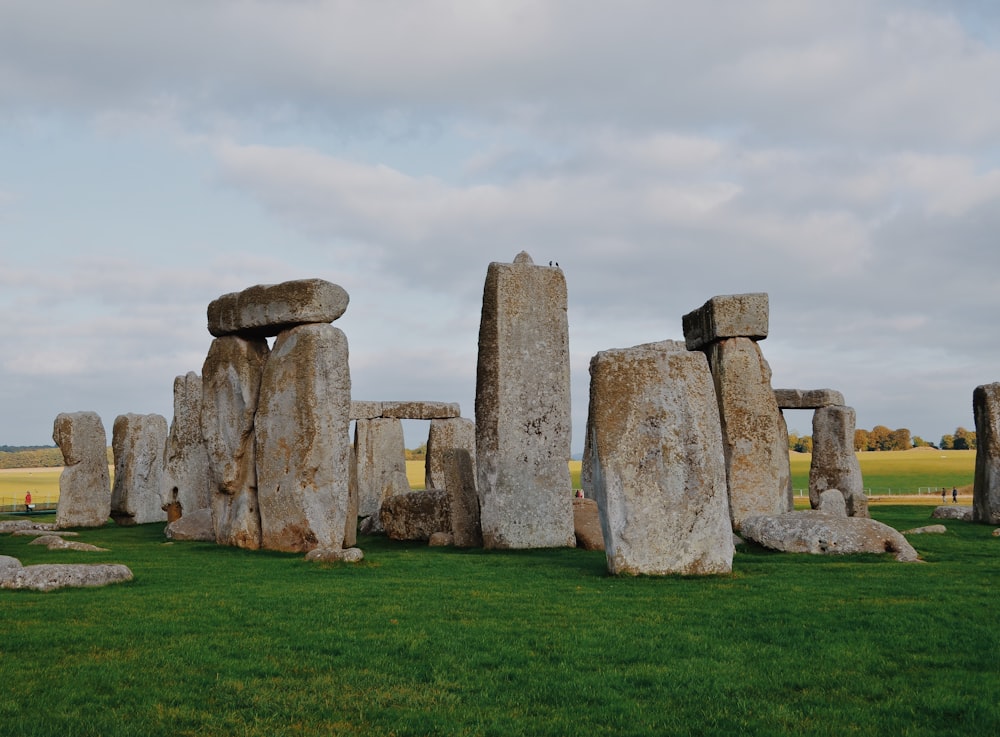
903, 472
435, 641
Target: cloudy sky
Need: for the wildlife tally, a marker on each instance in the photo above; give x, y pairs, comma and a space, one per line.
843, 157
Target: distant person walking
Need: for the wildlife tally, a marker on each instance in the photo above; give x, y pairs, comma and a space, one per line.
28, 506
954, 495
944, 495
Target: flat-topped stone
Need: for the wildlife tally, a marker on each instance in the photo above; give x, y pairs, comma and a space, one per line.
404, 410
265, 310
727, 316
365, 410
808, 398
421, 410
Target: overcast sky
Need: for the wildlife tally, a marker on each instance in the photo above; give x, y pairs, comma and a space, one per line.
843, 157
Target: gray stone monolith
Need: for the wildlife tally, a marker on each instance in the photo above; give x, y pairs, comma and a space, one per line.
445, 435
463, 501
986, 487
834, 462
658, 474
303, 443
523, 408
186, 484
85, 482
380, 450
230, 388
753, 431
138, 443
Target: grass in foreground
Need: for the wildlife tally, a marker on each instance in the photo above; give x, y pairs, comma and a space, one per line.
416, 640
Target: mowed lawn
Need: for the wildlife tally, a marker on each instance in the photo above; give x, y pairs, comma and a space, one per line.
214, 641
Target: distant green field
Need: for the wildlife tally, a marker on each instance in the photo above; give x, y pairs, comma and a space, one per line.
904, 471
897, 472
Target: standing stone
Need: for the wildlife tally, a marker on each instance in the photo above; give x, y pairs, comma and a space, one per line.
658, 467
753, 435
186, 485
138, 443
85, 483
445, 435
523, 408
834, 463
463, 501
380, 450
230, 388
303, 442
986, 488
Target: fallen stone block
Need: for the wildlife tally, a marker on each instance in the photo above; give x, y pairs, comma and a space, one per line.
959, 512
55, 542
927, 530
330, 555
416, 516
195, 526
50, 576
822, 534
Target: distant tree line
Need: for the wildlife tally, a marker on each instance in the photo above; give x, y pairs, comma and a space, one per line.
881, 437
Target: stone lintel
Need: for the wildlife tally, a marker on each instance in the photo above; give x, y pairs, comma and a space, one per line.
365, 410
808, 398
265, 310
727, 316
369, 410
421, 410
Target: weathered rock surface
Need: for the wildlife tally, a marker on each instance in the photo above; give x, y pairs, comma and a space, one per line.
817, 533
55, 542
416, 515
986, 488
380, 450
230, 389
196, 525
11, 526
421, 410
832, 502
365, 410
49, 576
956, 511
834, 463
754, 436
587, 524
138, 443
267, 309
339, 555
927, 530
587, 461
463, 501
445, 435
186, 482
303, 442
523, 408
8, 563
808, 398
441, 540
727, 316
658, 470
85, 482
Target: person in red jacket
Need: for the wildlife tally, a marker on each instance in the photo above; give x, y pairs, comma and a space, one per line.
27, 502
